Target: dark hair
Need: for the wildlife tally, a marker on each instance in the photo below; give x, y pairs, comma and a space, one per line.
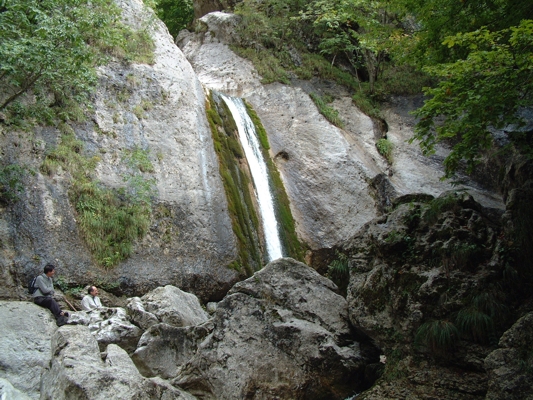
91, 288
49, 268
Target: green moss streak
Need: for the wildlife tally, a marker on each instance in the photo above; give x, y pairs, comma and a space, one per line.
245, 223
288, 236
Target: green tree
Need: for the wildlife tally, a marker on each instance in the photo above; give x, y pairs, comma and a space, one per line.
358, 29
429, 22
176, 14
48, 50
486, 90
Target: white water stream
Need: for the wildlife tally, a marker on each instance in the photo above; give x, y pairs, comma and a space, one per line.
258, 169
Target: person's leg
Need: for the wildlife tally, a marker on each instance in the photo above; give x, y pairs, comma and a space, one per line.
50, 303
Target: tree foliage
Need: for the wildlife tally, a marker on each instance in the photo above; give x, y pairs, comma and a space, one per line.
49, 50
486, 90
358, 29
176, 14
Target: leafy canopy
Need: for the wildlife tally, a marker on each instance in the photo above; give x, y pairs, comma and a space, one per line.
49, 49
487, 90
176, 14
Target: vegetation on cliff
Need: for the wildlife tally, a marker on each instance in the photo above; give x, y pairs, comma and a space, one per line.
473, 58
110, 220
49, 51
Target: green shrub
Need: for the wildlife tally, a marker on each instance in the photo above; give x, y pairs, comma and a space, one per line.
328, 112
385, 148
11, 187
438, 206
110, 223
438, 336
139, 158
365, 103
110, 220
339, 271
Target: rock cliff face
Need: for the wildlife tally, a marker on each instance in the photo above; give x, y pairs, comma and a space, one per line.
159, 109
431, 283
327, 171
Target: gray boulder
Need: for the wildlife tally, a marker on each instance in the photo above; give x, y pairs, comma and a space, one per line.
78, 371
25, 346
8, 392
164, 348
139, 315
509, 367
175, 307
282, 333
109, 325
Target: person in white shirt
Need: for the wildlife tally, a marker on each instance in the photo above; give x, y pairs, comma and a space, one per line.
91, 300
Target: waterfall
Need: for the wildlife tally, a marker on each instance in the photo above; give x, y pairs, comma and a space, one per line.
259, 171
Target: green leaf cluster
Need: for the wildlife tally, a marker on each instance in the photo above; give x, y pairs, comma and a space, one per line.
439, 336
48, 53
176, 14
328, 112
11, 186
385, 148
480, 93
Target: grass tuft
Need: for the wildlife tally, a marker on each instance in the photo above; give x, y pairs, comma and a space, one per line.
328, 112
438, 336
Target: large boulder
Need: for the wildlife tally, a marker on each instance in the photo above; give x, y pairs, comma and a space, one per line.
25, 333
425, 282
510, 366
283, 333
109, 326
139, 315
9, 392
173, 306
78, 371
164, 348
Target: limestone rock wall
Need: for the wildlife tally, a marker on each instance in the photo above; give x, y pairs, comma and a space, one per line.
327, 171
159, 109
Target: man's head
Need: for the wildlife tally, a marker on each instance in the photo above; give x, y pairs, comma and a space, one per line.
49, 270
93, 290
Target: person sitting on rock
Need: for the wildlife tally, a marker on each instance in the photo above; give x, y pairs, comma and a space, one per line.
91, 300
43, 295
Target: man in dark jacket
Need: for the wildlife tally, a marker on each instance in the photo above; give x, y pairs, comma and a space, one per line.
43, 296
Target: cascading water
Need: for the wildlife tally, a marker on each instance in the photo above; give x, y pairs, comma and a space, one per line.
258, 169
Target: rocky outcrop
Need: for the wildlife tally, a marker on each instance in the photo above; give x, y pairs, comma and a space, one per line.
8, 391
164, 348
25, 333
173, 306
79, 371
510, 367
283, 333
428, 284
109, 326
159, 109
